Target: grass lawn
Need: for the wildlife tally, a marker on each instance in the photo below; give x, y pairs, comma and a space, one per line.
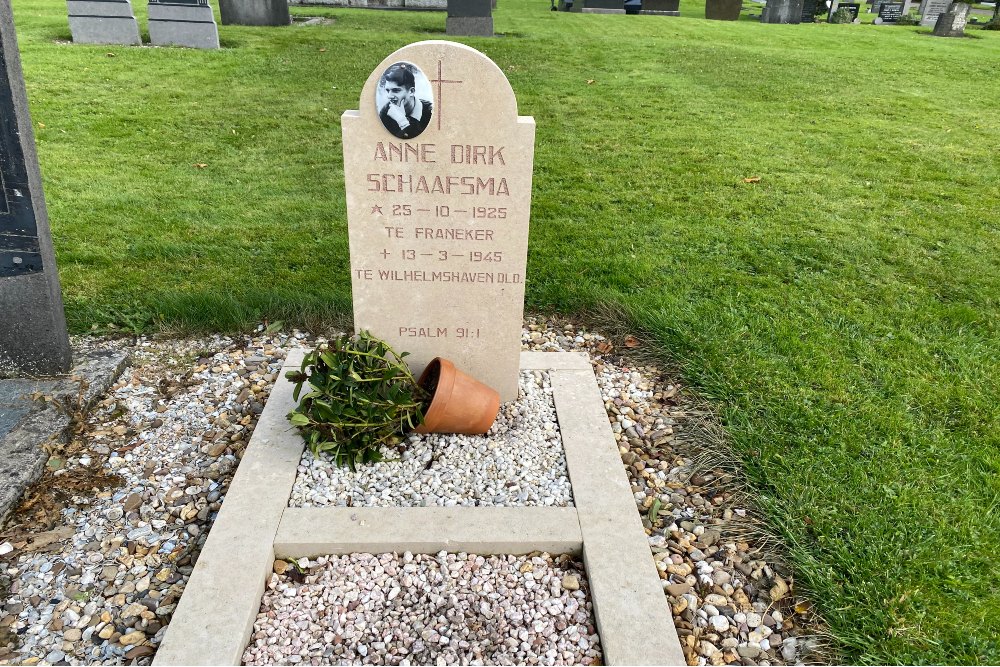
842, 313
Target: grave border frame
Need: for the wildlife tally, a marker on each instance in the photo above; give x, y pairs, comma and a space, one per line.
214, 619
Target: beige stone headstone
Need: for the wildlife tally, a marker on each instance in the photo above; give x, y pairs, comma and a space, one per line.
438, 219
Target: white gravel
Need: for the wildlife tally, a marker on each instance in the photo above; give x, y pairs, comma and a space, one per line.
520, 462
447, 609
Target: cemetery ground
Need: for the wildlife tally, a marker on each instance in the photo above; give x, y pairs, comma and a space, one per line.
801, 220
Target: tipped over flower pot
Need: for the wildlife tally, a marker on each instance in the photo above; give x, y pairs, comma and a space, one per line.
460, 403
358, 396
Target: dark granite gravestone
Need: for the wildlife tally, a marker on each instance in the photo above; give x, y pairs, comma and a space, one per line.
782, 11
599, 6
102, 22
661, 7
33, 338
470, 17
183, 23
952, 22
853, 7
808, 11
723, 10
889, 12
254, 12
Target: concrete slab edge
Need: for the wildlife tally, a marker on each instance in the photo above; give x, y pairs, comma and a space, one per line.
24, 448
315, 531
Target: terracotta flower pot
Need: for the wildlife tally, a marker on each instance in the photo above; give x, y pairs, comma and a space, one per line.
460, 403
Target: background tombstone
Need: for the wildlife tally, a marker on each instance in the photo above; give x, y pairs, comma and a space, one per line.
103, 22
853, 7
808, 11
661, 7
599, 6
931, 9
438, 224
33, 339
469, 17
952, 22
183, 23
254, 12
889, 12
723, 10
782, 11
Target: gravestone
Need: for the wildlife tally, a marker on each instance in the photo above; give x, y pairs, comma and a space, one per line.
254, 12
470, 17
723, 10
183, 23
808, 11
438, 205
931, 9
33, 338
853, 7
599, 6
782, 11
103, 22
661, 7
952, 22
889, 12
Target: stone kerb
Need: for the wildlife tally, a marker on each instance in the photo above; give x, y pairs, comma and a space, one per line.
214, 619
438, 222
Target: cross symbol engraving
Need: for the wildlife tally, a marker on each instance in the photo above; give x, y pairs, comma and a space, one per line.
385, 253
440, 103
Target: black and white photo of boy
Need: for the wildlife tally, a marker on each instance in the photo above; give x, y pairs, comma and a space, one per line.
403, 100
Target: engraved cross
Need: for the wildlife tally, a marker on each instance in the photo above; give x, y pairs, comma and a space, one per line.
440, 103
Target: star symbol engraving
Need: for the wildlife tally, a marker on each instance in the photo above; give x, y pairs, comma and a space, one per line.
376, 209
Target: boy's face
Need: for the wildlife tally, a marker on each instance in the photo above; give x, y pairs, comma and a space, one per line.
399, 95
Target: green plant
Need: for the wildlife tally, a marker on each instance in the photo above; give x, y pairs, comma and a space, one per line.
361, 397
842, 15
909, 19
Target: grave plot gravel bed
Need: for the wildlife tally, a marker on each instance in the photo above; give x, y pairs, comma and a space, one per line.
444, 609
520, 462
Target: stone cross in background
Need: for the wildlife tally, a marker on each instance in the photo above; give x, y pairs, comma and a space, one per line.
183, 23
33, 338
103, 22
438, 165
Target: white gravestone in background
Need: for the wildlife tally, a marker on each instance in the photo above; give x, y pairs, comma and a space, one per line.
438, 202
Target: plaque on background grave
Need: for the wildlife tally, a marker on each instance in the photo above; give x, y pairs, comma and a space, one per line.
437, 166
889, 12
33, 338
782, 11
809, 11
103, 22
183, 23
931, 9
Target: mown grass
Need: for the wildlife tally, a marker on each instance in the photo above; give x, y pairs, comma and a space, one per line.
841, 313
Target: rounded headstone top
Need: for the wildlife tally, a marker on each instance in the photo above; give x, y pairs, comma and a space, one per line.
458, 77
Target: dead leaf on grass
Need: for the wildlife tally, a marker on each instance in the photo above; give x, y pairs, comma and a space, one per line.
591, 82
631, 341
752, 179
200, 165
604, 347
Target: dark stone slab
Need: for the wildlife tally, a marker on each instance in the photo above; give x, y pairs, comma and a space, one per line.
27, 425
853, 7
809, 11
723, 10
255, 12
33, 338
469, 8
782, 11
889, 12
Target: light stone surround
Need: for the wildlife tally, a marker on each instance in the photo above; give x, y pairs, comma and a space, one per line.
214, 619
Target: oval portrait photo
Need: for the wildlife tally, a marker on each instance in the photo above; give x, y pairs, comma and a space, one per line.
403, 100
